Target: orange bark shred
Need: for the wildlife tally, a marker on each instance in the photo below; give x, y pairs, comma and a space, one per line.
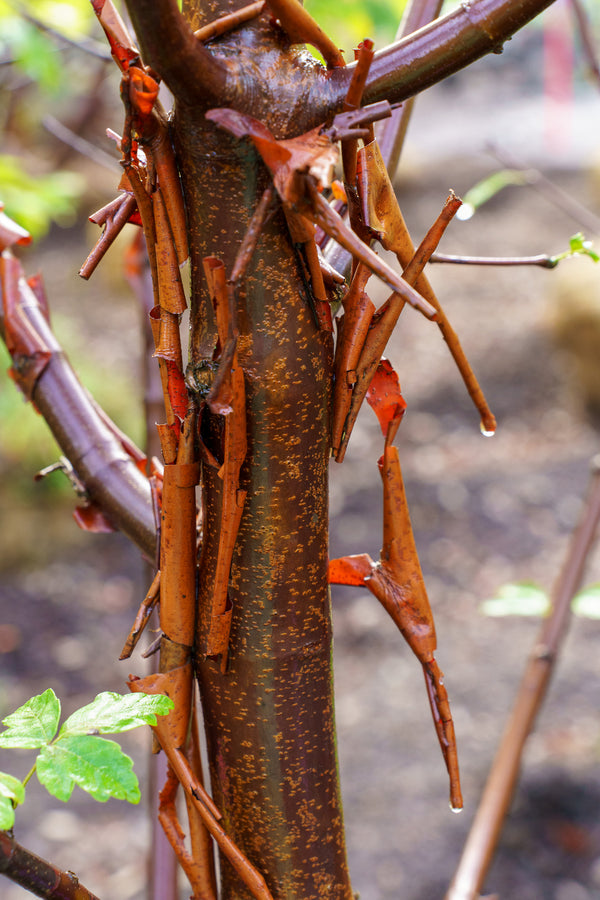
297, 166
10, 232
397, 582
230, 401
385, 398
124, 51
168, 737
358, 312
384, 219
229, 21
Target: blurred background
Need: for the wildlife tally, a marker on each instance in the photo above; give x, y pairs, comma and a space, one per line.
486, 512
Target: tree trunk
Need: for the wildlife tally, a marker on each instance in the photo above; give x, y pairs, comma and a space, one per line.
269, 718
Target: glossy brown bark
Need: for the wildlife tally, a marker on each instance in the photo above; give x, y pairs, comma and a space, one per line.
270, 717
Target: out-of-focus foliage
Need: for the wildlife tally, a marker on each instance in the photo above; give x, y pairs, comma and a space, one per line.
40, 74
354, 20
37, 201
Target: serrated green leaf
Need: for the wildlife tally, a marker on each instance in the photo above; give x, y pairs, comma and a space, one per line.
34, 724
11, 789
96, 764
110, 713
519, 599
587, 602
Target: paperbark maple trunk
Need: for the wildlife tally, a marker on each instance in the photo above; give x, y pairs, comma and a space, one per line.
269, 719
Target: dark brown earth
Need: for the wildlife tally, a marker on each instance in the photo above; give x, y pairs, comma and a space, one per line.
485, 512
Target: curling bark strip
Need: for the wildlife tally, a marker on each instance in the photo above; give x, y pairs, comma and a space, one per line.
397, 582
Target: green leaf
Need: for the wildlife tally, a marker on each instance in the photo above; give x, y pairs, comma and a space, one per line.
12, 792
587, 602
578, 246
97, 765
110, 713
519, 599
34, 724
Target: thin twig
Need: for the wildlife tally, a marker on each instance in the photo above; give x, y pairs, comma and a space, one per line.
546, 262
84, 44
487, 825
392, 133
81, 145
551, 191
230, 21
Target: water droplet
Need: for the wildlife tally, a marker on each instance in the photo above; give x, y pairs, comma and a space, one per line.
486, 432
455, 809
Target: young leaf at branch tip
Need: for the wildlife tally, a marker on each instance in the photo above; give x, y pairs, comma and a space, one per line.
578, 246
34, 724
110, 713
519, 599
12, 793
96, 764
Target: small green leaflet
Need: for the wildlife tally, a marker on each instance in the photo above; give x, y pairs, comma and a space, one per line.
77, 755
10, 789
519, 599
578, 246
34, 724
96, 764
110, 713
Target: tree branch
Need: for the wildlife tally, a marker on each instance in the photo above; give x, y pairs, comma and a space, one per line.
111, 477
37, 875
438, 50
169, 46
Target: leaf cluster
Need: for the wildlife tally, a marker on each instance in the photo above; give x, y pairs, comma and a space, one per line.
76, 754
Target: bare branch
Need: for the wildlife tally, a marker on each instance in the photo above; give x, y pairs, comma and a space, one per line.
485, 830
541, 259
438, 50
37, 875
99, 458
169, 46
417, 14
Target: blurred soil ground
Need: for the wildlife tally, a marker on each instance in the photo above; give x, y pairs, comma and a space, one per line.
485, 512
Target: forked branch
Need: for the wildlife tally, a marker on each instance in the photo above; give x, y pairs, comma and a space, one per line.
169, 46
